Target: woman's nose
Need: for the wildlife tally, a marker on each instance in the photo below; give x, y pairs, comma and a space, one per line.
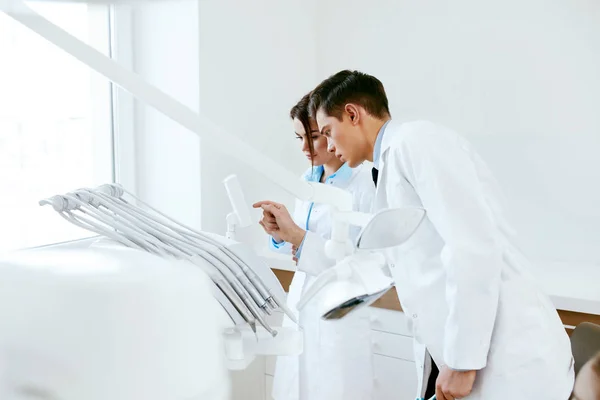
305, 146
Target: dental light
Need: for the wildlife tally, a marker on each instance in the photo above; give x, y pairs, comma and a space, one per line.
361, 278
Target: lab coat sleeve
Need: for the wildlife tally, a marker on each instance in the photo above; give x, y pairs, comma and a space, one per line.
283, 247
445, 178
313, 259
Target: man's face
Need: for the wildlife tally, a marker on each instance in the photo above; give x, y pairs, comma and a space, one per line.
344, 137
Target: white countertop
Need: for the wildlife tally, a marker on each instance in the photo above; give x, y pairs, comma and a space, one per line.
571, 286
277, 261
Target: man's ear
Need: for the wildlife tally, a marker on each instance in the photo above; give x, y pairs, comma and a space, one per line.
353, 113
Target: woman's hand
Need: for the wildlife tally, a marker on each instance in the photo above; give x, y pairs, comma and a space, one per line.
278, 221
269, 224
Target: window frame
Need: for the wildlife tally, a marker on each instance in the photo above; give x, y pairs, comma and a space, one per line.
110, 31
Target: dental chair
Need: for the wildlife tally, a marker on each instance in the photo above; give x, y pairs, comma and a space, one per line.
585, 343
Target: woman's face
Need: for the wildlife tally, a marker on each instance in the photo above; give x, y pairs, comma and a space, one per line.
320, 154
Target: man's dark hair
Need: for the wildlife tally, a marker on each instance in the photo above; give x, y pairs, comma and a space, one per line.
345, 87
300, 112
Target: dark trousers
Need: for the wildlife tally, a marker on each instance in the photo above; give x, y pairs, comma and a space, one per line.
431, 382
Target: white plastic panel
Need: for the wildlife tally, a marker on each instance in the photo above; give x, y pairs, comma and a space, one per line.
275, 319
268, 387
390, 321
270, 367
391, 345
395, 379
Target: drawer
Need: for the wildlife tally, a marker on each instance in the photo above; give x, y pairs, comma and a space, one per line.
391, 345
270, 365
390, 321
268, 387
394, 379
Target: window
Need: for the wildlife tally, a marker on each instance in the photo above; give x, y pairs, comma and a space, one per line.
55, 123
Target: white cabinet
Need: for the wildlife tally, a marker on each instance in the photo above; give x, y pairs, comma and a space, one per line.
274, 320
395, 379
268, 387
393, 357
390, 321
392, 345
270, 367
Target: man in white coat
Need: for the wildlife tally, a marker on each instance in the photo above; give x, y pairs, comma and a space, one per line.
462, 281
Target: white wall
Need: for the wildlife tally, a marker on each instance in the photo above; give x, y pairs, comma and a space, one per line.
519, 78
257, 58
243, 65
165, 52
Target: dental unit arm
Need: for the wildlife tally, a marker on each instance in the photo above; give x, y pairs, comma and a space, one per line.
360, 279
240, 216
244, 285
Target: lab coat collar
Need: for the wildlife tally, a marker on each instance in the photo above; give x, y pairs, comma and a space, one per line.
390, 128
314, 174
342, 175
377, 147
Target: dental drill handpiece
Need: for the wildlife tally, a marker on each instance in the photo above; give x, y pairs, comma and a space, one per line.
222, 284
243, 278
271, 297
249, 273
254, 309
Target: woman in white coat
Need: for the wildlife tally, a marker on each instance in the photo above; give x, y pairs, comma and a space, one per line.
336, 363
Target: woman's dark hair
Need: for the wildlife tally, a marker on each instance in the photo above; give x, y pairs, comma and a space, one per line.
300, 112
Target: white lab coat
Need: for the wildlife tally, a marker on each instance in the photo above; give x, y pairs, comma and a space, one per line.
337, 360
461, 280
